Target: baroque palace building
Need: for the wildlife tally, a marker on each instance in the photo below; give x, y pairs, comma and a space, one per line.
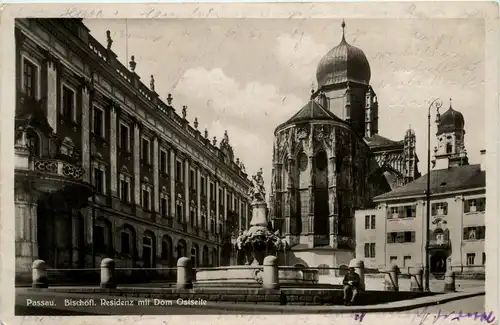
394, 230
105, 168
329, 160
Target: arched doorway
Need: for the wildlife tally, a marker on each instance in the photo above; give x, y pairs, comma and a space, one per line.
148, 250
205, 256
438, 262
166, 250
194, 255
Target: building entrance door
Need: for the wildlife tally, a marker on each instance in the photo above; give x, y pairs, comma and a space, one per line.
438, 262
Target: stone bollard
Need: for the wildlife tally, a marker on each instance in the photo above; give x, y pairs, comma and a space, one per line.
270, 276
391, 278
449, 281
108, 273
416, 279
359, 268
39, 274
184, 272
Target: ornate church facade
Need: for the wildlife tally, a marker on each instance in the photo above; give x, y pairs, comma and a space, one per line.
329, 160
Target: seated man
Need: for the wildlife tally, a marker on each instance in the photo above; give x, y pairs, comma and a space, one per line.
351, 284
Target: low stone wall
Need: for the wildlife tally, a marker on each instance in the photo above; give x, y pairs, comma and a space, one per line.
250, 295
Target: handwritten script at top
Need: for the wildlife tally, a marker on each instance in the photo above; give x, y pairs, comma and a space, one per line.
484, 317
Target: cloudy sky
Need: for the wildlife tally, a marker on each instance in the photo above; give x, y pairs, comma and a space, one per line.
247, 76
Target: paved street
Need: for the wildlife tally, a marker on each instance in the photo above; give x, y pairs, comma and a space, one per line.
404, 284
470, 305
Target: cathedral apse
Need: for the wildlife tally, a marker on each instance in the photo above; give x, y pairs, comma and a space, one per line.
329, 160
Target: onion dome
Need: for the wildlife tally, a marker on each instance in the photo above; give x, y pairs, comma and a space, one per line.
450, 121
343, 63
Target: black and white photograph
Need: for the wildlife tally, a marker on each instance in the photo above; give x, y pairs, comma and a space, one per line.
238, 165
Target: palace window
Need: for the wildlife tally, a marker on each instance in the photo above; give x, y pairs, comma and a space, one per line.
393, 259
484, 258
68, 103
212, 192
372, 221
474, 233
99, 178
125, 182
146, 197
192, 217
178, 171
439, 209
98, 120
475, 205
180, 212
163, 162
124, 137
406, 260
449, 148
203, 186
470, 258
163, 205
192, 179
367, 222
146, 151
30, 78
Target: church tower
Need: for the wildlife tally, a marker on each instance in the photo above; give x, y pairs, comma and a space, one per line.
450, 150
410, 171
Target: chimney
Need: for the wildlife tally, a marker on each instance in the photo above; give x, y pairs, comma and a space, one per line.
482, 159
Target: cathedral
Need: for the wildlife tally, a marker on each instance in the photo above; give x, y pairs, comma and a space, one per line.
329, 159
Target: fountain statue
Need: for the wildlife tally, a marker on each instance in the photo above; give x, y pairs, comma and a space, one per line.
258, 241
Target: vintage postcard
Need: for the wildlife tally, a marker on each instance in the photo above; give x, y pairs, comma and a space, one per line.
250, 159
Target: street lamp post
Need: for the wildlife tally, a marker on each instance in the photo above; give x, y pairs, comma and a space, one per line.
436, 103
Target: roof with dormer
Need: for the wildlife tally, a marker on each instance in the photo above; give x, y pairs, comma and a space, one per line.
442, 181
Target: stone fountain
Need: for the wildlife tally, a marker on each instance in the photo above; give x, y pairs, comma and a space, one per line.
255, 244
259, 241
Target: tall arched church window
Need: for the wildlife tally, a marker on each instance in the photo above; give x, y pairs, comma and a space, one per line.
302, 161
321, 160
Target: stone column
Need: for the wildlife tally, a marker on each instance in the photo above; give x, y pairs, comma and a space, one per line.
86, 132
137, 164
26, 246
173, 207
332, 196
52, 92
310, 219
112, 152
209, 209
240, 216
198, 197
187, 199
290, 200
156, 175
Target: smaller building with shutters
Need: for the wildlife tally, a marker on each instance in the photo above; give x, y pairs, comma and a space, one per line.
394, 231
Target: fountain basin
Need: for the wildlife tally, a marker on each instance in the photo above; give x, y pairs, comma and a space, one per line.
251, 275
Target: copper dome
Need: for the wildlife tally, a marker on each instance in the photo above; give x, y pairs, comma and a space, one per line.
450, 121
343, 63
